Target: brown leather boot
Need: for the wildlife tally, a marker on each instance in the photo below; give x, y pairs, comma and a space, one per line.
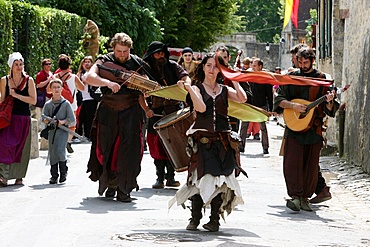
196, 212
214, 223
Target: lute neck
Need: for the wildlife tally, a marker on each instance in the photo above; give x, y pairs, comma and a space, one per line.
316, 102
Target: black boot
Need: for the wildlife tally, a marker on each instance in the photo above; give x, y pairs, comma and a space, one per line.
159, 165
63, 171
196, 212
112, 185
170, 175
122, 197
214, 223
54, 174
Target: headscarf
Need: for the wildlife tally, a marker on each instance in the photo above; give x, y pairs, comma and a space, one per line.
13, 57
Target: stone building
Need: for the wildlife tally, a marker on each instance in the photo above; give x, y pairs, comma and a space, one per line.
343, 50
247, 42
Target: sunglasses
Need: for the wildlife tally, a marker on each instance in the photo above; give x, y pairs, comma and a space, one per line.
47, 63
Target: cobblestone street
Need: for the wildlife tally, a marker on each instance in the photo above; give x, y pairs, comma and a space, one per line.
73, 214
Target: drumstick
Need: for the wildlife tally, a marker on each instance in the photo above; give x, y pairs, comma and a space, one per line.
158, 115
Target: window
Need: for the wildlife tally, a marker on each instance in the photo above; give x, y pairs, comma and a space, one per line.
325, 22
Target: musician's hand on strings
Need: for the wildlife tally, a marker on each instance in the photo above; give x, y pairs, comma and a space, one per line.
299, 107
115, 87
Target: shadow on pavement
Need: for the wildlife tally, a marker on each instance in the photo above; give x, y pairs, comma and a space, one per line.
285, 212
102, 205
11, 187
46, 186
253, 156
172, 236
149, 192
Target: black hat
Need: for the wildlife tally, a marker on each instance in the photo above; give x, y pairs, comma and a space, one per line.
187, 50
154, 47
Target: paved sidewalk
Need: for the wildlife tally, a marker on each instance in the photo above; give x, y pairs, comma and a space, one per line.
73, 214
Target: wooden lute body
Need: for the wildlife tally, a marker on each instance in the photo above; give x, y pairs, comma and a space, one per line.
302, 121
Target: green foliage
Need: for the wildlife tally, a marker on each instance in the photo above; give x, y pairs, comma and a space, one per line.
39, 33
6, 38
178, 23
262, 18
197, 23
115, 16
310, 22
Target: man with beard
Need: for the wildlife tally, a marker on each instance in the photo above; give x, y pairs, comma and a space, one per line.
302, 149
322, 191
166, 73
117, 145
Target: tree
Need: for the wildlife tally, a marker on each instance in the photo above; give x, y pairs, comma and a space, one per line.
262, 18
197, 23
178, 23
114, 16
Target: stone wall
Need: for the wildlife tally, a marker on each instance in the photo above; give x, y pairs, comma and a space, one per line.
350, 63
34, 139
247, 43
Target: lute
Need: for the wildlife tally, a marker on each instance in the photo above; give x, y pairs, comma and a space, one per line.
302, 121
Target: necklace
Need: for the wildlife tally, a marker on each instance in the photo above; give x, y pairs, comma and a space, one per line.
19, 83
213, 88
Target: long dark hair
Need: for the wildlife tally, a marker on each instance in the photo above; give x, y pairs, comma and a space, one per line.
199, 72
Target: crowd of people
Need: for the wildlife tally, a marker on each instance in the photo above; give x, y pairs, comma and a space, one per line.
112, 115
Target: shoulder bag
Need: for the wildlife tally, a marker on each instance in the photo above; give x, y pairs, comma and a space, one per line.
95, 93
66, 92
45, 132
6, 107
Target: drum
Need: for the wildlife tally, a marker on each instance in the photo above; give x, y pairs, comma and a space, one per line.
172, 131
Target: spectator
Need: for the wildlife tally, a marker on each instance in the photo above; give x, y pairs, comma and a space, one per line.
15, 139
187, 61
60, 109
89, 104
71, 83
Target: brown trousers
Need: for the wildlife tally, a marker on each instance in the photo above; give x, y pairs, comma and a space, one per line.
300, 165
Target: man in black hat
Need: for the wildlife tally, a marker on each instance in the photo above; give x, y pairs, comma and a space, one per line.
166, 73
117, 146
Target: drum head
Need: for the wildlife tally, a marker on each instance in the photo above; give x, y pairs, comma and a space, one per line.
172, 118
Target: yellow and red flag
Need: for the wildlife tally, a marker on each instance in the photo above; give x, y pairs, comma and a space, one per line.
291, 12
